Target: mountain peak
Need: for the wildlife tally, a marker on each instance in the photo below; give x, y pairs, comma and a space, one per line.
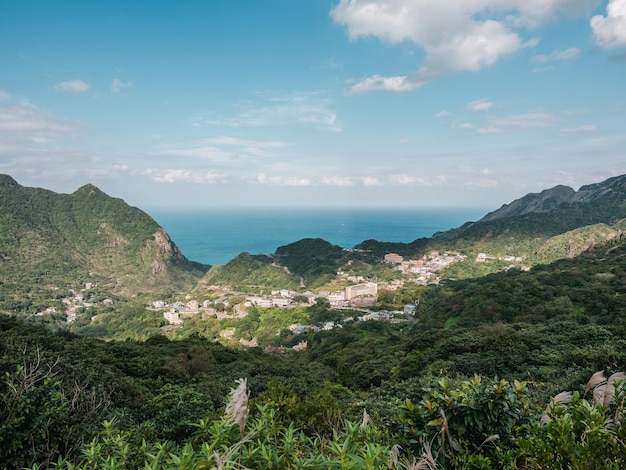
89, 189
7, 182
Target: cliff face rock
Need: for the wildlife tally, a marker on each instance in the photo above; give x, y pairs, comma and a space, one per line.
165, 244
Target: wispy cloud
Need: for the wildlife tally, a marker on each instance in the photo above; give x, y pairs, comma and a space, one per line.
203, 152
27, 118
372, 180
221, 149
441, 114
72, 86
4, 96
378, 82
480, 105
303, 108
582, 130
346, 181
557, 55
262, 178
249, 147
526, 120
405, 179
117, 85
185, 176
488, 130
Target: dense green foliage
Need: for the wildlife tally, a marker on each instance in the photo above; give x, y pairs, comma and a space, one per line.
61, 241
250, 273
566, 321
463, 383
540, 228
314, 259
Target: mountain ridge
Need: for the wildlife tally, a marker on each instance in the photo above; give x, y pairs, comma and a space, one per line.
552, 198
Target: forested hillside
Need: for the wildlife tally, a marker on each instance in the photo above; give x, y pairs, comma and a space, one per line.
466, 381
528, 226
51, 242
540, 332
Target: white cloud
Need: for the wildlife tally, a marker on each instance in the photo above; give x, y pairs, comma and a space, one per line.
404, 179
610, 31
441, 114
185, 176
466, 125
480, 105
543, 69
235, 141
345, 181
480, 183
456, 35
204, 152
72, 86
305, 108
117, 85
488, 130
248, 147
4, 96
586, 129
376, 82
338, 181
527, 120
283, 180
370, 181
558, 54
30, 119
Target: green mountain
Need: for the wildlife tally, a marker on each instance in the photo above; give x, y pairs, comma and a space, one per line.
529, 226
309, 263
539, 228
551, 212
250, 273
60, 241
559, 196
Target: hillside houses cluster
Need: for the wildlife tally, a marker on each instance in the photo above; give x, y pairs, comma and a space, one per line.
425, 269
382, 315
78, 299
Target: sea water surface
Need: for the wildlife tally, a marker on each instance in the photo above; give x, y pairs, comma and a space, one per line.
217, 236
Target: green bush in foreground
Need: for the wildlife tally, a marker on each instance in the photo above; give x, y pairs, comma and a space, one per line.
481, 424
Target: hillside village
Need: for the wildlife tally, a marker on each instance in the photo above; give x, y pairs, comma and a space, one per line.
361, 293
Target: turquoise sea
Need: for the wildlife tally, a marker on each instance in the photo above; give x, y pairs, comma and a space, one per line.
217, 236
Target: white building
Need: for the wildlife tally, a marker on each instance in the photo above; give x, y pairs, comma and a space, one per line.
369, 289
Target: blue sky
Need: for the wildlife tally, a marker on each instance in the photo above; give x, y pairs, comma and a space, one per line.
311, 103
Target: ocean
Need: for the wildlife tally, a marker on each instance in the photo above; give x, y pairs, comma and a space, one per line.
217, 236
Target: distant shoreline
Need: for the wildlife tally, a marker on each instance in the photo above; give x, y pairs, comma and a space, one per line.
215, 236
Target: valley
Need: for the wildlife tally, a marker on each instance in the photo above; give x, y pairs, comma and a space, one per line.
453, 338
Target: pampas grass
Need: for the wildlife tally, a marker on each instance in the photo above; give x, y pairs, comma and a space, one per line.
603, 388
366, 421
237, 407
603, 393
596, 379
562, 398
609, 391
